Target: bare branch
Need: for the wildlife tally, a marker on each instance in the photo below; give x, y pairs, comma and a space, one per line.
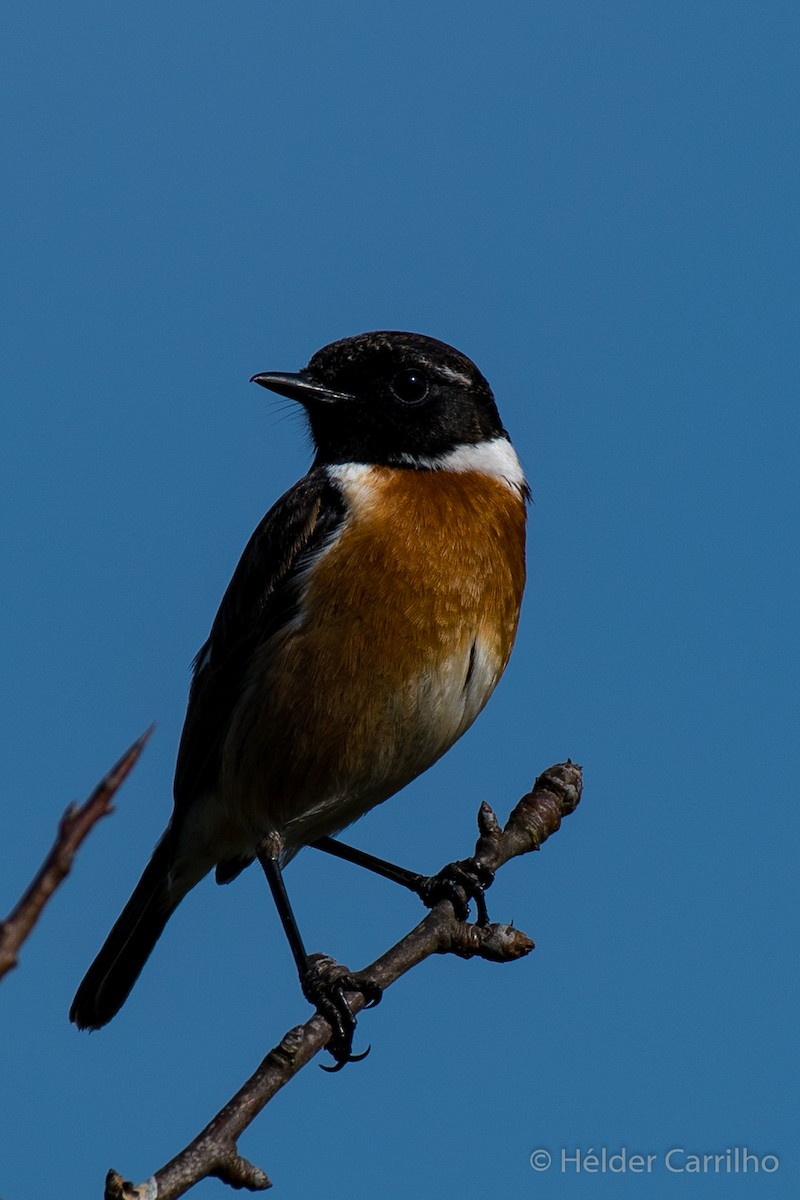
73, 828
214, 1152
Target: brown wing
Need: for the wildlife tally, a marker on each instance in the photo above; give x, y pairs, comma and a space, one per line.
261, 597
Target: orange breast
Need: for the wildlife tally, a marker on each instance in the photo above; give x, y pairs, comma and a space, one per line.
409, 622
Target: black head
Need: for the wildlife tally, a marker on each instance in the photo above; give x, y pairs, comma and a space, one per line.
390, 397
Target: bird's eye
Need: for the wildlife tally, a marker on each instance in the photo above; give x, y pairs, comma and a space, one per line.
410, 386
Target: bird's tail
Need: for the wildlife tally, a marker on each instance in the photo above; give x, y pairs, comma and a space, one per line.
111, 976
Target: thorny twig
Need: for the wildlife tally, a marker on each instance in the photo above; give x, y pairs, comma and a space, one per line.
75, 825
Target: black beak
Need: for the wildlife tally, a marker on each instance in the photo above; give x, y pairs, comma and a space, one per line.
299, 387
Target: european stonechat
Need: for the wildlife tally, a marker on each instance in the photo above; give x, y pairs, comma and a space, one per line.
368, 622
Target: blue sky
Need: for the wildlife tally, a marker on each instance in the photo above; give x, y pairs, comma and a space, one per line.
598, 203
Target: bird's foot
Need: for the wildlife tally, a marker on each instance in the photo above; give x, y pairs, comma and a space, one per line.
459, 882
325, 984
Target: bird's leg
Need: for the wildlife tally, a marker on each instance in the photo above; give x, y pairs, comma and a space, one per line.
324, 981
459, 882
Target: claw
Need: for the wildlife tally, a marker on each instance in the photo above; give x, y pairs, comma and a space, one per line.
342, 1062
325, 985
460, 882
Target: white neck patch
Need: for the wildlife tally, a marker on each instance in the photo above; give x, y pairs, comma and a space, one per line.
497, 458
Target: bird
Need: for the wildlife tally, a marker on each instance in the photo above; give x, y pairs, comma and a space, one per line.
369, 619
